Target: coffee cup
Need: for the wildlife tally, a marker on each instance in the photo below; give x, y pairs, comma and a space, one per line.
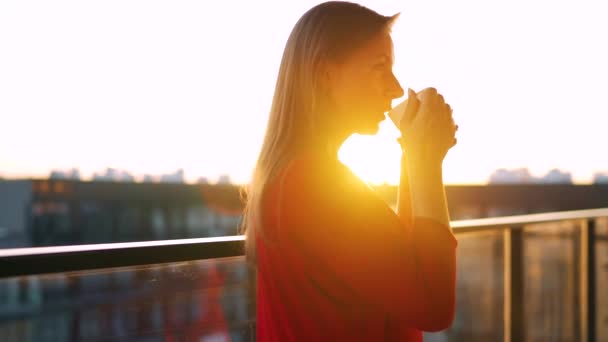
396, 114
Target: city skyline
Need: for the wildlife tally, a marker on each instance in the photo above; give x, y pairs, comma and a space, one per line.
151, 87
520, 175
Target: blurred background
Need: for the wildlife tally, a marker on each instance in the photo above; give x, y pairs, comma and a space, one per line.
129, 121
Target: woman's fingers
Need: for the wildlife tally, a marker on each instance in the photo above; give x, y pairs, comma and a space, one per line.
427, 94
434, 102
430, 121
440, 100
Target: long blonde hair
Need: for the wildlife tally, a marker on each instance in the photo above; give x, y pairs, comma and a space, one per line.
326, 33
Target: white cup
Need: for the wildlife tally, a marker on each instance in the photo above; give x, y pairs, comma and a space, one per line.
397, 113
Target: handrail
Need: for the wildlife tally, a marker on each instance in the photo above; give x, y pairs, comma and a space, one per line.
18, 252
523, 220
41, 260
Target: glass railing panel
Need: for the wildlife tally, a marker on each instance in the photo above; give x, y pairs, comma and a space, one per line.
551, 281
214, 299
479, 290
185, 301
601, 285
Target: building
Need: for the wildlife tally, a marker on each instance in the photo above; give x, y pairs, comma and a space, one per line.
67, 212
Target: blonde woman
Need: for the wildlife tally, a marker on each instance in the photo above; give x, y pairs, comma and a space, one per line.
334, 262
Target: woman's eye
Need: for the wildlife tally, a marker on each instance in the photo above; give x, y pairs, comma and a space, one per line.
381, 66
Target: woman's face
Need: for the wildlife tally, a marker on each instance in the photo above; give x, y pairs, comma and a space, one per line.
363, 86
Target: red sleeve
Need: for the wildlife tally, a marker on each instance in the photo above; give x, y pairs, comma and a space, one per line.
357, 250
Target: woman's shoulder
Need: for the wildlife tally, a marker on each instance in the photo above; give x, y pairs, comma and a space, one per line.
310, 174
296, 183
316, 189
309, 167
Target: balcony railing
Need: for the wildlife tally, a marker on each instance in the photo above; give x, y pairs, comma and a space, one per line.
540, 277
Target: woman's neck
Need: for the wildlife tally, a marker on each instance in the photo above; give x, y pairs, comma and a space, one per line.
337, 138
331, 138
333, 147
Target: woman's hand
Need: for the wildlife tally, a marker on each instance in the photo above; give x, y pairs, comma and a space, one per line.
427, 127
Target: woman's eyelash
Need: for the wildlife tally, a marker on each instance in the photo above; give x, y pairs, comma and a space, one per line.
382, 67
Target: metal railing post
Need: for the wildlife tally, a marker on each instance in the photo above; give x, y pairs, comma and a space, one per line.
588, 281
514, 284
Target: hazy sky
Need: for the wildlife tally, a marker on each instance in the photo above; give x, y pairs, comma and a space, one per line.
152, 86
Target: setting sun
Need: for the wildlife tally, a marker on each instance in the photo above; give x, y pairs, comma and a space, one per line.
375, 159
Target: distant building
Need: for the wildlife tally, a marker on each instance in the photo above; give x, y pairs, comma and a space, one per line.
203, 180
114, 175
175, 177
15, 201
72, 174
600, 178
67, 212
504, 176
556, 176
523, 176
149, 178
57, 174
224, 179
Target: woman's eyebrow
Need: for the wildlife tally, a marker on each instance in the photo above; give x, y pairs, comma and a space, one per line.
384, 58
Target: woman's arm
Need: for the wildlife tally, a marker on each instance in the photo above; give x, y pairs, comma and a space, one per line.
428, 133
421, 195
429, 130
426, 188
421, 191
354, 248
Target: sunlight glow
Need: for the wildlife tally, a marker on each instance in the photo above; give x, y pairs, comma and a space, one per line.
375, 159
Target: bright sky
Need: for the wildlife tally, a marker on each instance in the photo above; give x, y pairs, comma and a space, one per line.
153, 86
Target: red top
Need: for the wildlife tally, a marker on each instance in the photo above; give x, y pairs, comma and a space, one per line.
335, 263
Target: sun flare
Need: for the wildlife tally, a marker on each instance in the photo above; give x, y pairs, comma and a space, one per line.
375, 159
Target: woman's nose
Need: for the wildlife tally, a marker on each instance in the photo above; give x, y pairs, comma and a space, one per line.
393, 89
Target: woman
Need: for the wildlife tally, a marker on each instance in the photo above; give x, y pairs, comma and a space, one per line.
334, 262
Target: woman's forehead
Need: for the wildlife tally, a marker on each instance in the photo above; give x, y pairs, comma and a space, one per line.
378, 47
